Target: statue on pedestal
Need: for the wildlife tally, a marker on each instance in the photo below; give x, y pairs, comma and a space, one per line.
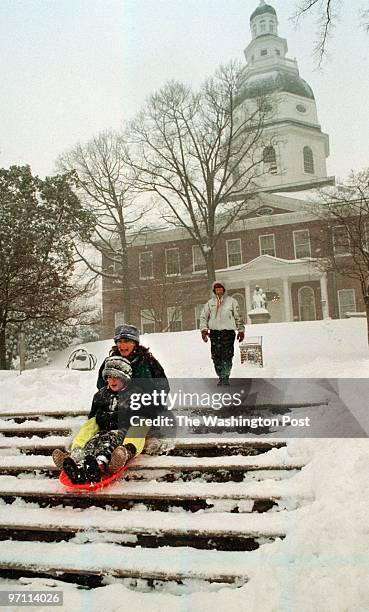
259, 298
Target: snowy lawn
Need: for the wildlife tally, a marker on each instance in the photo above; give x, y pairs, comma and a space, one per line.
316, 349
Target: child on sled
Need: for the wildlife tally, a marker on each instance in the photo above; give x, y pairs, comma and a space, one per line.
102, 446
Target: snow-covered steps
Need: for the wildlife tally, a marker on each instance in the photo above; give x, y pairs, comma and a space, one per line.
221, 530
41, 427
274, 464
198, 446
194, 496
181, 464
22, 415
33, 444
166, 563
193, 511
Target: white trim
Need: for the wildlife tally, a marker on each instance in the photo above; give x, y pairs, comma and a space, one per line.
119, 318
294, 242
198, 306
227, 250
366, 235
139, 265
196, 246
166, 262
144, 321
265, 236
342, 315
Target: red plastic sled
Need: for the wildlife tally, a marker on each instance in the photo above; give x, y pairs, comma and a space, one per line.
91, 486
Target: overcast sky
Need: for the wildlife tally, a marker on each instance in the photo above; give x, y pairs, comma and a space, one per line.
71, 68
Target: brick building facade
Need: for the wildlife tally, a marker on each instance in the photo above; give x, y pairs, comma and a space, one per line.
276, 246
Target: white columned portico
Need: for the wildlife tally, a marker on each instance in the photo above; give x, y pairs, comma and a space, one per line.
248, 304
286, 299
324, 295
269, 270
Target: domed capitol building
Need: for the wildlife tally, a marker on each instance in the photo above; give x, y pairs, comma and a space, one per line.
275, 243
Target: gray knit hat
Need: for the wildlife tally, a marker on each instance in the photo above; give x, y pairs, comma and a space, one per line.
127, 332
118, 367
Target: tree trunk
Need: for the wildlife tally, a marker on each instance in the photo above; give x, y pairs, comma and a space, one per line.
3, 362
367, 321
126, 288
210, 267
22, 352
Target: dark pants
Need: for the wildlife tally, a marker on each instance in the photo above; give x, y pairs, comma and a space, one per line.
101, 444
222, 350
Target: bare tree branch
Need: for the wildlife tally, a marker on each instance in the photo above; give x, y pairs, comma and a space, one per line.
196, 151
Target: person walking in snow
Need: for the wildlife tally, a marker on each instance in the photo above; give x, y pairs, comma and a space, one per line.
221, 316
101, 444
147, 372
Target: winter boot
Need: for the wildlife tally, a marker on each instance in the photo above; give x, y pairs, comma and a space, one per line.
226, 381
92, 469
75, 472
119, 458
58, 457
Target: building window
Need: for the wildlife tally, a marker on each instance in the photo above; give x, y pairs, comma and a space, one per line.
365, 240
306, 300
277, 52
270, 160
264, 52
234, 253
198, 260
308, 160
198, 311
262, 26
147, 322
146, 265
346, 301
267, 245
341, 240
271, 27
301, 241
119, 319
172, 262
174, 314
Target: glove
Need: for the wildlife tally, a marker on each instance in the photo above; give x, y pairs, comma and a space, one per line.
204, 335
241, 336
106, 421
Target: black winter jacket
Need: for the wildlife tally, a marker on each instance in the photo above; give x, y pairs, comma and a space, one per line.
147, 373
113, 409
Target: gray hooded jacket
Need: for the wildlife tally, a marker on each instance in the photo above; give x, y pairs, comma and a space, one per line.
225, 315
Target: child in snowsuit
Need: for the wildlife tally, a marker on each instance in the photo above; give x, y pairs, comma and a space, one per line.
106, 429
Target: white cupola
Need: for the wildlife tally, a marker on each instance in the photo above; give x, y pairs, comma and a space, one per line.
297, 149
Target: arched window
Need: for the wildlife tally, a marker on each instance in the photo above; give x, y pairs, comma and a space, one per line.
271, 27
241, 304
308, 160
306, 301
254, 30
262, 26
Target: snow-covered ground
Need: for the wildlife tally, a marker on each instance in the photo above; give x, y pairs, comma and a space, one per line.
323, 563
317, 349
